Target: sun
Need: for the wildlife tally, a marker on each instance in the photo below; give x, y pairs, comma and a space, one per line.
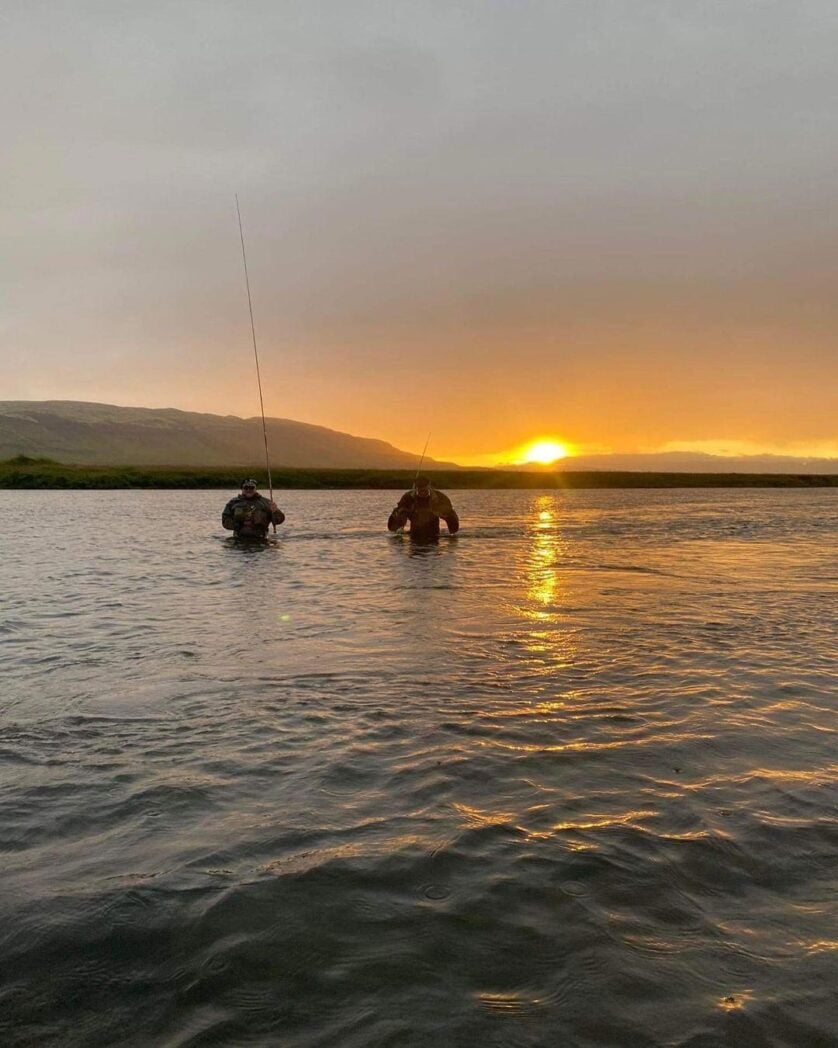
542, 451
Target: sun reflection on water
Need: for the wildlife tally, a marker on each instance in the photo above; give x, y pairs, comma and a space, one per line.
542, 576
540, 573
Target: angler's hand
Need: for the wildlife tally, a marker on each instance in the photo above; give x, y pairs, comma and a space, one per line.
273, 505
398, 519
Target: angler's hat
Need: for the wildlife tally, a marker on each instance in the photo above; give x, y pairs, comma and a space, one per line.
249, 483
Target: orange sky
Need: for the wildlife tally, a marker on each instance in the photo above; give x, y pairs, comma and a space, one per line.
609, 225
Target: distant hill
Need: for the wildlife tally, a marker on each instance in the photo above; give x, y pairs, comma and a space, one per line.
89, 434
686, 462
103, 434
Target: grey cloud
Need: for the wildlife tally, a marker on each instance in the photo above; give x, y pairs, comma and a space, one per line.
444, 164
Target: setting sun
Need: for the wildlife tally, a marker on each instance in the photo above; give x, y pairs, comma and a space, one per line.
543, 452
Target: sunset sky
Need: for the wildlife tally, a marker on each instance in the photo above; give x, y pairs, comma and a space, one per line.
609, 222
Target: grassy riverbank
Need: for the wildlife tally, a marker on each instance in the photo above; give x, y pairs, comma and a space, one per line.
25, 473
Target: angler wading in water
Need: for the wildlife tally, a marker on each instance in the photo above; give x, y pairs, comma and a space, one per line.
423, 506
250, 514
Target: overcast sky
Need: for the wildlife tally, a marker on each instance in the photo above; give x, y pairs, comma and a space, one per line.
611, 221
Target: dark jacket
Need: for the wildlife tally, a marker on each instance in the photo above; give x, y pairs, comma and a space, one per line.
424, 515
250, 518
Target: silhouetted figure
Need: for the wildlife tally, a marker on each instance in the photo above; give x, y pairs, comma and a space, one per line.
250, 514
423, 506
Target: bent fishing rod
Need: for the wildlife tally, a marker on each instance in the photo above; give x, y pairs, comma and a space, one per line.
256, 358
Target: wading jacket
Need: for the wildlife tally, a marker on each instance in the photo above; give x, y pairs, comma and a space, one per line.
250, 518
424, 514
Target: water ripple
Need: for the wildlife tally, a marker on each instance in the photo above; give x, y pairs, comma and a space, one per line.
569, 779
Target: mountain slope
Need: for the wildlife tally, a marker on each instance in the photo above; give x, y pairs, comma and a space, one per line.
104, 434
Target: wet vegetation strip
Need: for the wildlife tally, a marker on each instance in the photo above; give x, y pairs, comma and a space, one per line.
41, 473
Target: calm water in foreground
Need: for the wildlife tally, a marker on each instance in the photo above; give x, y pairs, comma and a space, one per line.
568, 779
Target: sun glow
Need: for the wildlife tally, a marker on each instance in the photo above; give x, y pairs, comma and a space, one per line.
542, 451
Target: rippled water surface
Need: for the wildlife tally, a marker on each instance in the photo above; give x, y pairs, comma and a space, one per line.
567, 779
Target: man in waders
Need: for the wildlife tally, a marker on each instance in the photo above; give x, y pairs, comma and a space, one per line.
423, 506
249, 515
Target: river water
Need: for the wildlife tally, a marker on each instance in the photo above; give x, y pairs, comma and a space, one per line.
566, 779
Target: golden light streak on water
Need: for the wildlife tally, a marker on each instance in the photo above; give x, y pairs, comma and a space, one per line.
543, 580
735, 1001
476, 817
596, 747
627, 818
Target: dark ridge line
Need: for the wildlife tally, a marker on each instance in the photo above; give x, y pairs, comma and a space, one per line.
23, 473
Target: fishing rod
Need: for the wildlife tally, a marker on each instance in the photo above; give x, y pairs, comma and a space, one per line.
421, 460
256, 358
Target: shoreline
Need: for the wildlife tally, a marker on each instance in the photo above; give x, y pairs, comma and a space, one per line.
45, 475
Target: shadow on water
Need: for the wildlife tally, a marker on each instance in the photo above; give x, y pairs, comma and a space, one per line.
249, 547
428, 547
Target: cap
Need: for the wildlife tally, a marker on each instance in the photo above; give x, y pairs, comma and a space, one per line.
249, 483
